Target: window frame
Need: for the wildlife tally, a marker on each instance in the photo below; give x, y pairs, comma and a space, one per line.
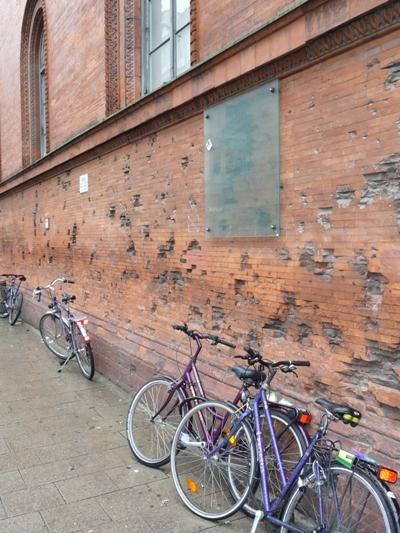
147, 52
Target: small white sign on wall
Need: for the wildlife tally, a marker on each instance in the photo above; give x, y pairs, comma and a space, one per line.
84, 183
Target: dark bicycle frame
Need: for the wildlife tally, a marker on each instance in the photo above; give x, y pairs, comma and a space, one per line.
190, 378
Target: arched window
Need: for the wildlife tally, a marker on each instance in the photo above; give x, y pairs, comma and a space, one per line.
34, 92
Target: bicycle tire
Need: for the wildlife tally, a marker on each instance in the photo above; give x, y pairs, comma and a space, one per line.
339, 491
201, 472
15, 310
142, 432
52, 334
84, 354
292, 445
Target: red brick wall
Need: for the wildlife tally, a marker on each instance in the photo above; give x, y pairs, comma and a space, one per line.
326, 289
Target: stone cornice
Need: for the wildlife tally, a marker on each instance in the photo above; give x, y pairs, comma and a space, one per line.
75, 153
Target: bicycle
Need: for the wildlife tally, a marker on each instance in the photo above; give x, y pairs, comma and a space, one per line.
63, 334
157, 408
11, 298
214, 465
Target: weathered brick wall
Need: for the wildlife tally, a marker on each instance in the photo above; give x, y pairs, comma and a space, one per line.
326, 289
76, 76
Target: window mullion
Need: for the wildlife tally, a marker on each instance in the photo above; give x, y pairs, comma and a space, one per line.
173, 43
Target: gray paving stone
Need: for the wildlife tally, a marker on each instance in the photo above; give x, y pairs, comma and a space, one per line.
126, 526
27, 523
11, 481
136, 474
48, 473
3, 447
26, 501
86, 515
87, 486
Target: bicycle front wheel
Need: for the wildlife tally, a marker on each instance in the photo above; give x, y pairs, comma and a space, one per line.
15, 308
150, 438
351, 502
212, 449
84, 354
53, 335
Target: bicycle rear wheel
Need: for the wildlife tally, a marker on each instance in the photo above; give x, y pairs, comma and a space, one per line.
150, 439
84, 354
15, 308
351, 500
53, 335
210, 449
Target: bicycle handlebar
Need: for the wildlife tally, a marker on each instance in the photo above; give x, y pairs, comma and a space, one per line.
20, 276
196, 335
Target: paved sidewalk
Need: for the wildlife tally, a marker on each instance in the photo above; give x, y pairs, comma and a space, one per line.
65, 464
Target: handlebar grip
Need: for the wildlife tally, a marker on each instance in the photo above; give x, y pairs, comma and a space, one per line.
178, 327
301, 363
226, 343
69, 281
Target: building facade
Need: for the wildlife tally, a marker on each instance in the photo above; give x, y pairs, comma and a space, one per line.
233, 165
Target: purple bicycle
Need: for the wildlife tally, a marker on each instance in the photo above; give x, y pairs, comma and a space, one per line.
217, 465
63, 334
157, 409
11, 297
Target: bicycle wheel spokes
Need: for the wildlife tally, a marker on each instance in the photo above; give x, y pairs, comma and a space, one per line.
84, 354
208, 454
150, 436
351, 504
52, 333
15, 308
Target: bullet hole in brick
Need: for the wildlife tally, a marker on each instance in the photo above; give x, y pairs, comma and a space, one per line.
244, 261
166, 248
217, 317
375, 352
146, 232
147, 266
384, 183
161, 278
48, 244
300, 227
256, 276
311, 105
289, 298
153, 308
136, 202
277, 327
185, 161
307, 257
171, 218
125, 221
127, 165
161, 197
192, 202
204, 273
97, 275
284, 254
304, 199
220, 297
23, 255
304, 331
152, 139
74, 234
371, 325
129, 274
66, 185
195, 315
92, 256
177, 279
69, 246
321, 265
324, 217
394, 75
374, 290
344, 195
332, 334
239, 284
111, 211
131, 250
375, 61
50, 259
193, 245
360, 264
164, 299
353, 134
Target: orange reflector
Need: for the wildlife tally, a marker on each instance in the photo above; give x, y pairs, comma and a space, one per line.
305, 418
85, 322
385, 474
192, 486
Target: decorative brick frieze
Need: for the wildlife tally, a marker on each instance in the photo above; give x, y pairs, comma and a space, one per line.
112, 75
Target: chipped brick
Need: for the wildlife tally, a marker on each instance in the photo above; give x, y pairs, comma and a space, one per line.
131, 250
217, 317
277, 326
394, 75
324, 217
333, 334
344, 195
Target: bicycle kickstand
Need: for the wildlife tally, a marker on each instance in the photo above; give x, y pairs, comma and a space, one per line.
68, 359
257, 519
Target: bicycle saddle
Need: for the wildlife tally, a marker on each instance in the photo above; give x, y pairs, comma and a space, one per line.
346, 413
249, 375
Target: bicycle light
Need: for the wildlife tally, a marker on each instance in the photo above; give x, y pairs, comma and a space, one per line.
386, 474
304, 418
